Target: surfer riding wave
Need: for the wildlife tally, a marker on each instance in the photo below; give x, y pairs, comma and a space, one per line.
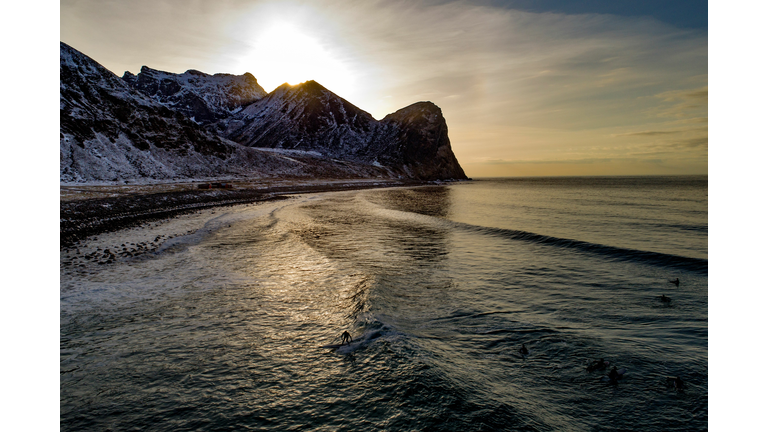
346, 338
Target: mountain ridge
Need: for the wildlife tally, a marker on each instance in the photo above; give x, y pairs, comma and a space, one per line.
160, 125
202, 97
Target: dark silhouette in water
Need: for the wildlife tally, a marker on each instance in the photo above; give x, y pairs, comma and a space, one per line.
346, 338
676, 383
613, 375
665, 299
524, 350
597, 365
676, 282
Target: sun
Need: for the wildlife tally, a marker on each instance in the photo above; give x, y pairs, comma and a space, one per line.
283, 52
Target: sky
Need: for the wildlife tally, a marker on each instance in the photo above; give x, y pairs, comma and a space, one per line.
528, 88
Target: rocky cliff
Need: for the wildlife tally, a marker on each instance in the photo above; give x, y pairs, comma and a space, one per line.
303, 117
110, 132
412, 142
415, 139
201, 97
158, 125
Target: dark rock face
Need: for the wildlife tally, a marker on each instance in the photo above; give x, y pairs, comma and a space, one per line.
303, 117
415, 139
158, 125
201, 97
413, 142
109, 131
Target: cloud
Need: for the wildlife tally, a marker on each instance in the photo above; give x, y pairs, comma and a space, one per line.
696, 143
695, 120
699, 95
579, 161
646, 133
689, 102
694, 146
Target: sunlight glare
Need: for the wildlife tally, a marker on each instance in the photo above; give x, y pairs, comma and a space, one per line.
283, 53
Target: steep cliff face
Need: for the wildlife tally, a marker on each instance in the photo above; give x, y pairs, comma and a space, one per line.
415, 140
201, 97
412, 142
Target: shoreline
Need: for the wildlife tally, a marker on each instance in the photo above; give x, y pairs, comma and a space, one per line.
87, 210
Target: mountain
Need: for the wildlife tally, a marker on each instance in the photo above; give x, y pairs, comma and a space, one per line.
412, 142
159, 125
201, 97
110, 132
303, 117
415, 139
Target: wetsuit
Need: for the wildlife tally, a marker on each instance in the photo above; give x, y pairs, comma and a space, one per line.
613, 375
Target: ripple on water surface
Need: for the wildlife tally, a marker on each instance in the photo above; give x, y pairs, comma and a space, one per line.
219, 324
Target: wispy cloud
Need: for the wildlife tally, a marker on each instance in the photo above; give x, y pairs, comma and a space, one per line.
696, 143
687, 103
695, 120
646, 133
555, 161
700, 95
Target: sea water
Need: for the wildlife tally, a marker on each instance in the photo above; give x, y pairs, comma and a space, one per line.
221, 327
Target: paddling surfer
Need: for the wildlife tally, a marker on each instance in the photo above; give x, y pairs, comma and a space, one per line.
678, 383
613, 375
597, 365
675, 382
346, 338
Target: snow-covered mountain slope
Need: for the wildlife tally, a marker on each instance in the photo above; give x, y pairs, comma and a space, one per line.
413, 142
306, 117
201, 97
111, 132
163, 126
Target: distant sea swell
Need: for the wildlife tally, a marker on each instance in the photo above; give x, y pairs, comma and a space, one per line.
654, 258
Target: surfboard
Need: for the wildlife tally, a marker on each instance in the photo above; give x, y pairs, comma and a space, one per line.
332, 346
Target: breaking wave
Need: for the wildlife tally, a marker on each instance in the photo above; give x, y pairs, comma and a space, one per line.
617, 253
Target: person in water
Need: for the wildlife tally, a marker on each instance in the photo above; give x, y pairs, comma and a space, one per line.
597, 365
524, 350
346, 338
613, 375
665, 299
676, 382
676, 282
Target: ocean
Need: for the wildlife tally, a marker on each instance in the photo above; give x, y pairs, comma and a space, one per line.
216, 320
